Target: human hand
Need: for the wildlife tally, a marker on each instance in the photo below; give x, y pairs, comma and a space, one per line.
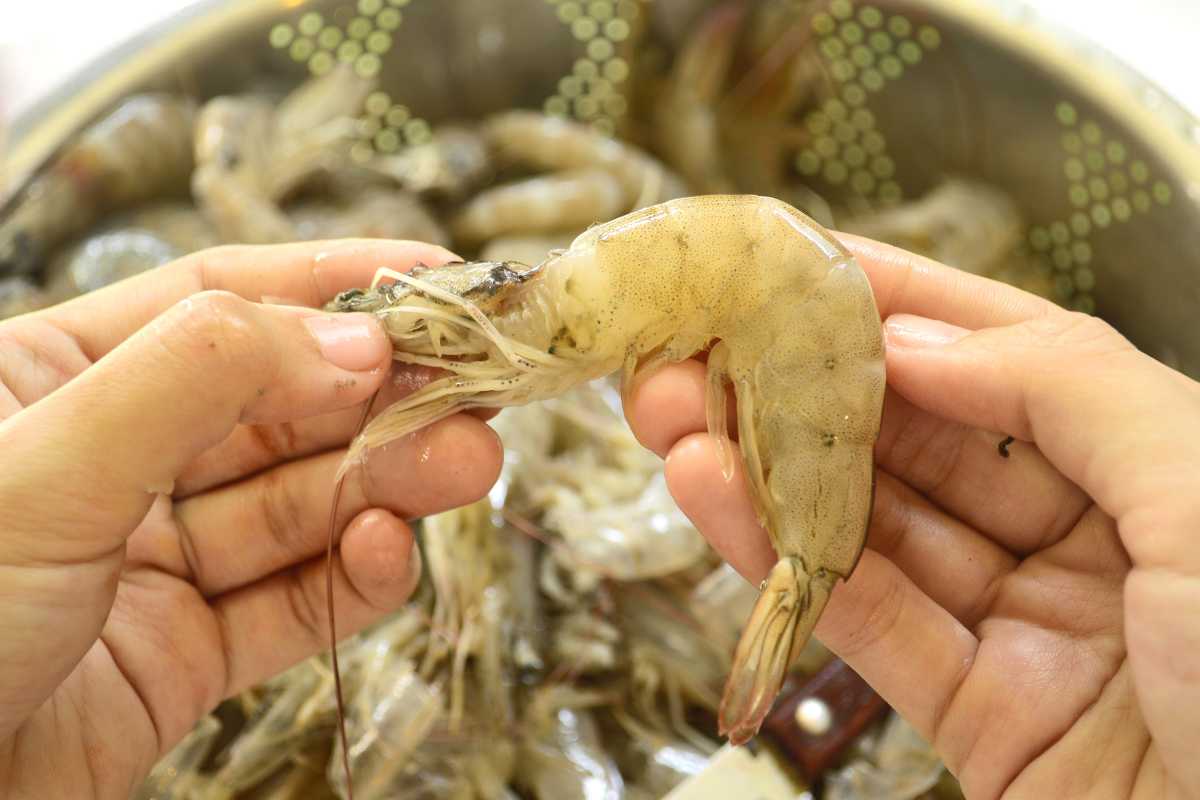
167, 456
1037, 618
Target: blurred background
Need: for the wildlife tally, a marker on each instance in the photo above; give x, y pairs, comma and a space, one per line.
42, 44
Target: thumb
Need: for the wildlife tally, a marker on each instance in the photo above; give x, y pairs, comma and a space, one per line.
1115, 421
88, 459
83, 465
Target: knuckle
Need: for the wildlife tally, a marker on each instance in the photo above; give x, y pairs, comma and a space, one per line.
1075, 333
281, 513
877, 617
217, 326
304, 608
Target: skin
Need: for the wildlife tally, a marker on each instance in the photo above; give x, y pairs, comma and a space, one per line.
1037, 618
126, 615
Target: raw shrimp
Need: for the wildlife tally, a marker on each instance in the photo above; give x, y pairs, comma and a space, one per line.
602, 498
569, 199
126, 245
796, 331
525, 249
143, 149
699, 119
899, 765
687, 128
297, 715
177, 777
371, 213
562, 757
20, 296
966, 224
592, 178
455, 162
105, 258
251, 155
553, 144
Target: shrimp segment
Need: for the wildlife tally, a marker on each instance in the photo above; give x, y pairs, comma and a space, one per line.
798, 336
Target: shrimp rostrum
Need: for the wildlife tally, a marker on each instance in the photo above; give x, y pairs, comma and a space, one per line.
791, 323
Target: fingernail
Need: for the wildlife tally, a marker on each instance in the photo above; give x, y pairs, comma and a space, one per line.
353, 342
907, 330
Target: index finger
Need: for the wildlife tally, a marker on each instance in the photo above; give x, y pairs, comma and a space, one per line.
304, 273
906, 283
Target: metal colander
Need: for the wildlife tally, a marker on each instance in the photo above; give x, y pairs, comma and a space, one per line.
905, 93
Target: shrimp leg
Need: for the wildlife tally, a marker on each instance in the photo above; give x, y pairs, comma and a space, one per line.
715, 406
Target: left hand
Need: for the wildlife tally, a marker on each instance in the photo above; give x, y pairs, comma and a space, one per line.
167, 452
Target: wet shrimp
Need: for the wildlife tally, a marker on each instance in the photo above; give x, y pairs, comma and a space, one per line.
525, 249
570, 199
456, 161
796, 332
142, 150
701, 114
251, 154
590, 178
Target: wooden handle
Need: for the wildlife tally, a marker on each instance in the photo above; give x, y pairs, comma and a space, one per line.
852, 707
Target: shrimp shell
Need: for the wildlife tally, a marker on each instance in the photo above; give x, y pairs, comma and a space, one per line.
797, 333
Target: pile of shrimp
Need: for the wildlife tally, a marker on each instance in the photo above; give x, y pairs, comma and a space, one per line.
531, 662
572, 631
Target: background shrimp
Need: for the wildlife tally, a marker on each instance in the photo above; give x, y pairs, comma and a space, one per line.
141, 150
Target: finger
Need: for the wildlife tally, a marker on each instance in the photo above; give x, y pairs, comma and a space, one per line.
1163, 631
305, 274
183, 656
271, 625
720, 509
1023, 501
122, 431
253, 448
234, 535
669, 405
906, 646
906, 283
948, 560
952, 563
1111, 419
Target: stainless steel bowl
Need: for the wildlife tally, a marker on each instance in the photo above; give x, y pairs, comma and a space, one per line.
1110, 185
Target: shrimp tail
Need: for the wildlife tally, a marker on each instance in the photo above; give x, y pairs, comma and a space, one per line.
787, 610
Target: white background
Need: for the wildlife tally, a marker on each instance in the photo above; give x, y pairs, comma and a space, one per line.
43, 41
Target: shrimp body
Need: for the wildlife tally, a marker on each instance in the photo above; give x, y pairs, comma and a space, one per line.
796, 332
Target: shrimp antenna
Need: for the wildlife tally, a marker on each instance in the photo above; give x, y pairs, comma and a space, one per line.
337, 674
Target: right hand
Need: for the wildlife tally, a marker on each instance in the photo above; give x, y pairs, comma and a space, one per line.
1037, 618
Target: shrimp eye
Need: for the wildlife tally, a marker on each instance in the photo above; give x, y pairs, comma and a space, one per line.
345, 300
